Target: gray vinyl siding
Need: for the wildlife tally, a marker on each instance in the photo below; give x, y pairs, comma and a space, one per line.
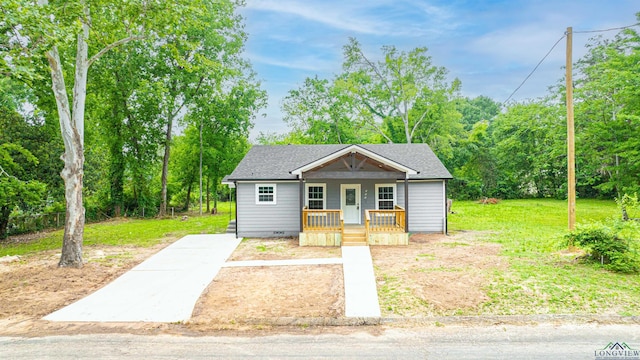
268, 220
426, 206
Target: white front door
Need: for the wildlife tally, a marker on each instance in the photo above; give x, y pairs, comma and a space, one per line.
350, 203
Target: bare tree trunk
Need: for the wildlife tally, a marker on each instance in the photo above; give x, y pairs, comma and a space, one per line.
165, 167
215, 193
208, 207
72, 130
201, 122
4, 221
186, 203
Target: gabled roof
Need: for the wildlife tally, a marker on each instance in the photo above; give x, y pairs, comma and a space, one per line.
354, 149
284, 162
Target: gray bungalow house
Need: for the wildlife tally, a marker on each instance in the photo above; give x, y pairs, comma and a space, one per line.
332, 195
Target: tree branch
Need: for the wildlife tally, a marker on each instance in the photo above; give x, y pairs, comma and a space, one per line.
114, 45
378, 129
2, 172
415, 126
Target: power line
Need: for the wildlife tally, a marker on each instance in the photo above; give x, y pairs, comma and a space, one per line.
534, 69
605, 30
556, 44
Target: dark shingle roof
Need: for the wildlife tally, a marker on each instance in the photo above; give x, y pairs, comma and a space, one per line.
275, 162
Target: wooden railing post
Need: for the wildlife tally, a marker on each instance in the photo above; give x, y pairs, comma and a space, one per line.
341, 228
367, 224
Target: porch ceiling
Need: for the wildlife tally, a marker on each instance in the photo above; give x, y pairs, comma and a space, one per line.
353, 166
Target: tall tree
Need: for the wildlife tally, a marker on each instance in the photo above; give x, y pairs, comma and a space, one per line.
223, 120
321, 112
608, 113
530, 151
83, 30
403, 94
196, 65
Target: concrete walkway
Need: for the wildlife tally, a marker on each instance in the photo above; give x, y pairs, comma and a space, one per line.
164, 288
291, 262
360, 293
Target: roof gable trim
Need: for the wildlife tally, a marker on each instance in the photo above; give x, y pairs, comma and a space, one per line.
354, 149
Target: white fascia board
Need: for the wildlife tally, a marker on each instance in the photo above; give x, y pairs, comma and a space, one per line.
355, 149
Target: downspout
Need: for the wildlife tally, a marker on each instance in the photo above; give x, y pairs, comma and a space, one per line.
301, 199
446, 203
406, 202
235, 200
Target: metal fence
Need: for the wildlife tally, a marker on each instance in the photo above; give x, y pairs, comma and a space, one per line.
22, 224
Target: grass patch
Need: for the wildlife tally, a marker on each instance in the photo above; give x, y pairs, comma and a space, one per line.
125, 231
261, 248
393, 294
540, 279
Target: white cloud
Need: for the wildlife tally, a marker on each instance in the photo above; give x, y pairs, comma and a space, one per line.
339, 17
306, 63
381, 17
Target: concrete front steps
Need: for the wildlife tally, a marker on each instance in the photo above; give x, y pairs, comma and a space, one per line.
354, 236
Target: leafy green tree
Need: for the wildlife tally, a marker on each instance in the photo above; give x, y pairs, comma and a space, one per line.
473, 162
478, 109
15, 192
126, 108
196, 67
474, 166
81, 32
224, 122
64, 38
403, 97
530, 151
321, 113
608, 113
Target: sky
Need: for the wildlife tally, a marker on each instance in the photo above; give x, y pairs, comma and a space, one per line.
491, 46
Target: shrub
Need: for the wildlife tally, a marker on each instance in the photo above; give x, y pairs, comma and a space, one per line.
628, 204
607, 246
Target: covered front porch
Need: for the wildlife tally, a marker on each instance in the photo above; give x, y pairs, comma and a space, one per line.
352, 197
328, 228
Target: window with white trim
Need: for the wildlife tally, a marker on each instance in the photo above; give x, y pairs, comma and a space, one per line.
265, 193
315, 196
385, 196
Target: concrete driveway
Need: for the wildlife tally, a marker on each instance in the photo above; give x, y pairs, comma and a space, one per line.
164, 288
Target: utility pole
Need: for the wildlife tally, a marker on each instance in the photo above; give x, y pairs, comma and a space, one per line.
201, 122
571, 154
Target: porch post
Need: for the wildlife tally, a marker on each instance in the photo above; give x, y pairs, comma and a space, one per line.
406, 202
301, 197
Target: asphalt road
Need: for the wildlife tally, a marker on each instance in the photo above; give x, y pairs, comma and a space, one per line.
449, 342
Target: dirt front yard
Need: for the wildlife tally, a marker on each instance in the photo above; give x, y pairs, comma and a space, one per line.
435, 274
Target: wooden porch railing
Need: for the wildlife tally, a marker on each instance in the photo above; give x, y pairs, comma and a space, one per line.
322, 220
385, 220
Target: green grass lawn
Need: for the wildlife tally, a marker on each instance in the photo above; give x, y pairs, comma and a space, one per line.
135, 232
543, 279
